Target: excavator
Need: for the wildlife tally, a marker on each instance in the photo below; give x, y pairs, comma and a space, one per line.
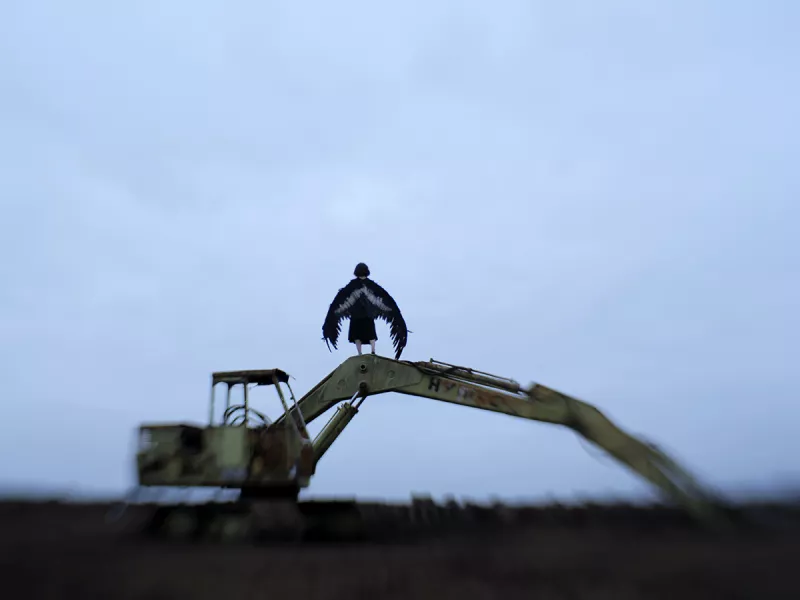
269, 461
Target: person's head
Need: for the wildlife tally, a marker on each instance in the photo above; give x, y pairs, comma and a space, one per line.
361, 270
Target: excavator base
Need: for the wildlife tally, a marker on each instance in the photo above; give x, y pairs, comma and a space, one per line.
270, 521
276, 519
248, 521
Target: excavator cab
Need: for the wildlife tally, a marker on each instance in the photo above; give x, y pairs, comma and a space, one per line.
241, 447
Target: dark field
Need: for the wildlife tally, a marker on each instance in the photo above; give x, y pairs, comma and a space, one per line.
52, 550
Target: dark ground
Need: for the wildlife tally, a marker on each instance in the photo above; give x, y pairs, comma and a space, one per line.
63, 551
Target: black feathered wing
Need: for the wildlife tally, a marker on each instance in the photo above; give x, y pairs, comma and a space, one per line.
362, 294
338, 311
386, 308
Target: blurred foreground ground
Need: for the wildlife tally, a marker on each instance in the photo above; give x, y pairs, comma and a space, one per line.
52, 550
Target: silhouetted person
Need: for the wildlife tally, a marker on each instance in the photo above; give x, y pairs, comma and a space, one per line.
362, 301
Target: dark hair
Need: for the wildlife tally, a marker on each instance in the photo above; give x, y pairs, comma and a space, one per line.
361, 270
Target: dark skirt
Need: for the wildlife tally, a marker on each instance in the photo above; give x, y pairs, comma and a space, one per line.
362, 330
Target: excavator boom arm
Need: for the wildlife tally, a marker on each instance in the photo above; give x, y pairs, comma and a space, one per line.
361, 376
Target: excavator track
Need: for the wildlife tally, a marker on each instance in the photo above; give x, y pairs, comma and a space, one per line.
262, 520
349, 521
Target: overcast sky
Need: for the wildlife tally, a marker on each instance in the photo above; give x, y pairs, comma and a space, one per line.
598, 196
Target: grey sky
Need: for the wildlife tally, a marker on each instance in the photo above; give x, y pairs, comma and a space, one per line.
601, 197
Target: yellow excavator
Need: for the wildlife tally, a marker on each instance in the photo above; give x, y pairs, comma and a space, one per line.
269, 461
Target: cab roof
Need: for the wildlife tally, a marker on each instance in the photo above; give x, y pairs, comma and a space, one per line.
259, 377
